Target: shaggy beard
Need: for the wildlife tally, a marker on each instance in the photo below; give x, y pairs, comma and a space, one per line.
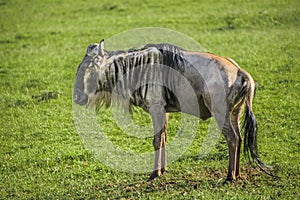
99, 100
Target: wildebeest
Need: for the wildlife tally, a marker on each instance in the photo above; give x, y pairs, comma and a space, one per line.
145, 78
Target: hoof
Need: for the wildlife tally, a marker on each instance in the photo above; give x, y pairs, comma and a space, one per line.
154, 174
229, 180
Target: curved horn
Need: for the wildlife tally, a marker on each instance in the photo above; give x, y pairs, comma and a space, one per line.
101, 49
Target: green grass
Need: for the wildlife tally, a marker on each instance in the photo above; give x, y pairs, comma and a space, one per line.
42, 43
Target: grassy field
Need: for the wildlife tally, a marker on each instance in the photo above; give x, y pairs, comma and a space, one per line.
42, 43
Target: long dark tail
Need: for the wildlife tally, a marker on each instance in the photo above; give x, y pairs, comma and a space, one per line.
250, 133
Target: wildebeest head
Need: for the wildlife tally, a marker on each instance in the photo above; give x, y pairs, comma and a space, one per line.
88, 84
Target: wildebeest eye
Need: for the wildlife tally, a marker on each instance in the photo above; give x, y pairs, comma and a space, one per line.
90, 62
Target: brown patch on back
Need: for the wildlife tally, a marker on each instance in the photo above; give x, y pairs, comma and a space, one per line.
228, 65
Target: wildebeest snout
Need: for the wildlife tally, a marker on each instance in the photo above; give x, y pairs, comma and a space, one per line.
80, 97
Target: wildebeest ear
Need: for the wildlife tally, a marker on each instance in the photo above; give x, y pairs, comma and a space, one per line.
101, 48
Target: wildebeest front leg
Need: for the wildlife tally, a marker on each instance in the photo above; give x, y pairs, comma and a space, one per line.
164, 143
158, 116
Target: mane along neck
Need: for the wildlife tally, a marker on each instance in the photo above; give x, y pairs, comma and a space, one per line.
173, 56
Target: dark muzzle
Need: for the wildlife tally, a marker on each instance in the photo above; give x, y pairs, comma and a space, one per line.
80, 98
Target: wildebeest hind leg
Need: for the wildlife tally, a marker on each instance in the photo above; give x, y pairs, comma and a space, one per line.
232, 141
235, 118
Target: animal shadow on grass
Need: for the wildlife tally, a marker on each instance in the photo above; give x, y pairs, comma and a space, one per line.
183, 182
